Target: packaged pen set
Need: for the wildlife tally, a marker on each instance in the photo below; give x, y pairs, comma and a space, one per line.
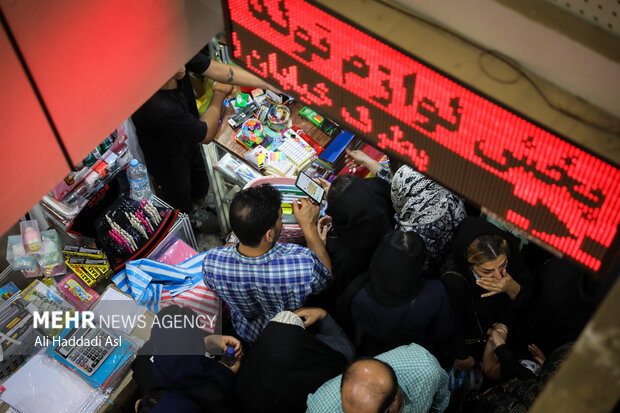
90, 265
129, 229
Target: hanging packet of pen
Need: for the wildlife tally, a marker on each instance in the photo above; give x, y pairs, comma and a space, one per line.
131, 229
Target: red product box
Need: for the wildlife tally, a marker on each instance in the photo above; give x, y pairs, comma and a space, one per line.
363, 172
315, 145
77, 293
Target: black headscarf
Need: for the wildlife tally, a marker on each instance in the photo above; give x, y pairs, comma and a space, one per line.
179, 364
361, 215
474, 227
488, 310
394, 278
567, 298
282, 368
363, 212
179, 360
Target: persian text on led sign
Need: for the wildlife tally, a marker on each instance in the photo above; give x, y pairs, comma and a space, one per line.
545, 185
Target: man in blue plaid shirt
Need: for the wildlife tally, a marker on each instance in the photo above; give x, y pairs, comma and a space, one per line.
407, 379
258, 277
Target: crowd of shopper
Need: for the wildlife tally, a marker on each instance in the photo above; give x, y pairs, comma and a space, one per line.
404, 303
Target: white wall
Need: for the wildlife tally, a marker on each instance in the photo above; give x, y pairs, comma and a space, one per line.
547, 53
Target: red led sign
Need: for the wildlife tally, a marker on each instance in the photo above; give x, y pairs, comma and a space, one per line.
541, 183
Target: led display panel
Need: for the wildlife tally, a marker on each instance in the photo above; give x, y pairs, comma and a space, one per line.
550, 188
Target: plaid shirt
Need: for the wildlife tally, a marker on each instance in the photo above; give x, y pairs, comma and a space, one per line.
258, 288
423, 382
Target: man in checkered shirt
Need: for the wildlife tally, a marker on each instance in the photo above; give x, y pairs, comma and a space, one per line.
407, 379
258, 277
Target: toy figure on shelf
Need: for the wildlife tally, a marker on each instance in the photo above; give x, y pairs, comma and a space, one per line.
31, 235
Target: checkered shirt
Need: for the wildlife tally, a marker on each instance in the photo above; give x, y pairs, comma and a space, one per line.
423, 382
258, 288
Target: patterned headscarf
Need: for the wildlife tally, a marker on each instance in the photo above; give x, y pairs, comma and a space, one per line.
417, 200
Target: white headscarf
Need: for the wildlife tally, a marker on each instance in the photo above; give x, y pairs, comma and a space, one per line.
288, 317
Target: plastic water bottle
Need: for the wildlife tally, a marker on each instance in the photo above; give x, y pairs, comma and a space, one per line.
229, 358
138, 177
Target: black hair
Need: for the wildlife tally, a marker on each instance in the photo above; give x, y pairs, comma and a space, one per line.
486, 248
253, 212
338, 186
413, 245
409, 242
389, 396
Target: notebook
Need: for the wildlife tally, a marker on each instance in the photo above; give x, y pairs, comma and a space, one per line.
296, 149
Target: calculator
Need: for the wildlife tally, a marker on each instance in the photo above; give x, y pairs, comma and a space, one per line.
88, 358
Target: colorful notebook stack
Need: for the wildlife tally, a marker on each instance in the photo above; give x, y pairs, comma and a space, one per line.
286, 155
290, 193
297, 150
332, 158
282, 168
